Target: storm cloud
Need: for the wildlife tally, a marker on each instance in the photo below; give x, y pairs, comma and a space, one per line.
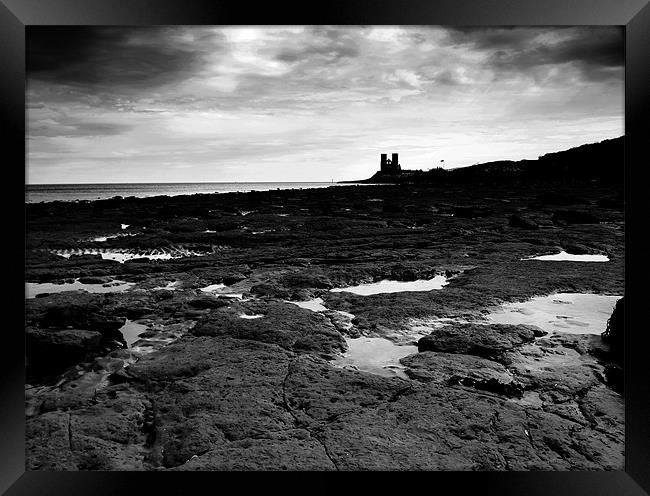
598, 52
326, 44
115, 56
262, 103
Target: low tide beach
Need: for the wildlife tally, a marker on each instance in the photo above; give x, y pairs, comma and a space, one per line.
334, 328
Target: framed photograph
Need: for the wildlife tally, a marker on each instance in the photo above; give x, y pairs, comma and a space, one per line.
363, 237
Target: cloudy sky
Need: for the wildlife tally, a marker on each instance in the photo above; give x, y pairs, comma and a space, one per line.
204, 103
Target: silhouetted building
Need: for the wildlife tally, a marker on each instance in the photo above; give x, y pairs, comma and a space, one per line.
390, 166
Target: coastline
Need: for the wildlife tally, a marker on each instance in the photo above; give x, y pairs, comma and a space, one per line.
208, 389
44, 193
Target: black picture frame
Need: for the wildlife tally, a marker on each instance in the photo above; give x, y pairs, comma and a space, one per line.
16, 15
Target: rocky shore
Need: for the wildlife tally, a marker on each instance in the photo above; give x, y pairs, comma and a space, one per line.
224, 370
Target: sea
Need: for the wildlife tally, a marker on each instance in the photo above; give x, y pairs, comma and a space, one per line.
36, 193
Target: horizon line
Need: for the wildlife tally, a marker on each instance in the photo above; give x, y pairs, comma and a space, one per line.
186, 182
332, 181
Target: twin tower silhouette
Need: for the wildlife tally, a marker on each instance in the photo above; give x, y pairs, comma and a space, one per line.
390, 165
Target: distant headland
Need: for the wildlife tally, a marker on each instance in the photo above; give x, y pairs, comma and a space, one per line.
602, 160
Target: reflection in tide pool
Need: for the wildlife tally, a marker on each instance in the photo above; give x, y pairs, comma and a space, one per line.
218, 290
575, 313
387, 286
101, 239
213, 288
35, 288
123, 256
567, 257
131, 330
315, 305
375, 355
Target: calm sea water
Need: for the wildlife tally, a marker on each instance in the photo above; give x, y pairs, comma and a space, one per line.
35, 193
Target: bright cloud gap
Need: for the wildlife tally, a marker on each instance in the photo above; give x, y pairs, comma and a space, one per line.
306, 103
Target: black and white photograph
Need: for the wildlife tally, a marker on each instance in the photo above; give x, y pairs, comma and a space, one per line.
324, 248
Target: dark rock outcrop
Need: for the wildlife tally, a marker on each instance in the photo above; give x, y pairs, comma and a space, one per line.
484, 340
521, 222
284, 324
76, 309
50, 349
137, 312
575, 217
576, 249
615, 332
466, 370
270, 289
208, 302
233, 278
95, 280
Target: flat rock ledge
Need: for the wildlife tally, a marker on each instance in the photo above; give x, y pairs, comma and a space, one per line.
484, 340
225, 403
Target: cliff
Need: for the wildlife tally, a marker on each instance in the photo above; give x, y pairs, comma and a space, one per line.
597, 161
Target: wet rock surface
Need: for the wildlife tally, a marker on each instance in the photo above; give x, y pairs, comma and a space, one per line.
284, 324
50, 348
486, 340
471, 371
239, 378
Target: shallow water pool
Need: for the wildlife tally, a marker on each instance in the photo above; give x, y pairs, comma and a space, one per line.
388, 286
131, 330
567, 257
218, 290
213, 288
119, 256
34, 288
575, 313
375, 355
315, 305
